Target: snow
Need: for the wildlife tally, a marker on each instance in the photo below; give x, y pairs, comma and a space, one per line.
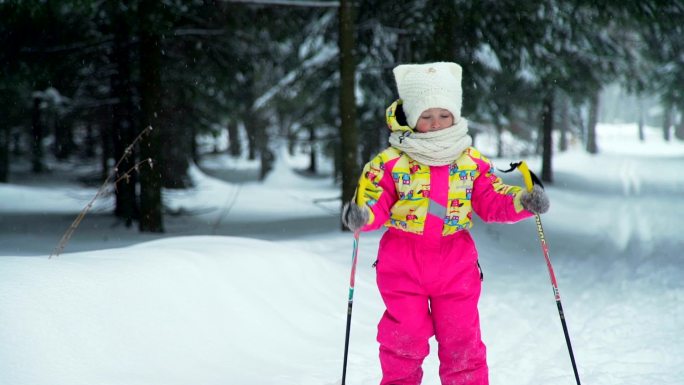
487, 57
249, 283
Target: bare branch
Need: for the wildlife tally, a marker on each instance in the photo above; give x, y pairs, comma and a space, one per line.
101, 191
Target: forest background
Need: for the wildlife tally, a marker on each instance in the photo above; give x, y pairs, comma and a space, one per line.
80, 80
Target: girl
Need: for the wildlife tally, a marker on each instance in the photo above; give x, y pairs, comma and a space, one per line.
424, 188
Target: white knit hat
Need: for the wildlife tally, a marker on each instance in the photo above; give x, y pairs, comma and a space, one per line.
431, 85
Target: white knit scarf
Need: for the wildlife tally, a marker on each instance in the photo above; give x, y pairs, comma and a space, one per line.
435, 148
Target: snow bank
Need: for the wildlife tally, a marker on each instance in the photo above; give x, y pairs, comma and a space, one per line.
189, 310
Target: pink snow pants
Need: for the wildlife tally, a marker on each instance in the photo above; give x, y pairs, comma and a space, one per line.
430, 286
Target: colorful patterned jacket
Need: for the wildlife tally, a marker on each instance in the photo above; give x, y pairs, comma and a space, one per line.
405, 194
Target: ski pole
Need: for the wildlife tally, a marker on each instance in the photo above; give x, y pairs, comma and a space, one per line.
529, 179
355, 251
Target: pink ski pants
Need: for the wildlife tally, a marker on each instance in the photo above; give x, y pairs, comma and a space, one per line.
430, 286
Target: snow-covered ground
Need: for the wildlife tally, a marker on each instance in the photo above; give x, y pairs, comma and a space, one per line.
249, 283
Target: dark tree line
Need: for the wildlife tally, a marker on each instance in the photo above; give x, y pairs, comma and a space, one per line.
81, 79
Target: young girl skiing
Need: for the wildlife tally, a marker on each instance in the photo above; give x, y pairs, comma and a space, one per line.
424, 188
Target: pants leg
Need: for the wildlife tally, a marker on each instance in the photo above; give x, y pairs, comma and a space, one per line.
462, 354
406, 326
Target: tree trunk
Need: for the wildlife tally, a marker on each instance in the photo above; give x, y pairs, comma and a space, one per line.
106, 142
679, 130
151, 219
347, 102
564, 126
64, 138
176, 149
547, 140
4, 152
266, 156
286, 131
291, 141
251, 140
337, 162
499, 140
234, 145
313, 167
123, 130
581, 125
37, 165
89, 142
194, 151
642, 136
592, 146
539, 142
667, 121
16, 144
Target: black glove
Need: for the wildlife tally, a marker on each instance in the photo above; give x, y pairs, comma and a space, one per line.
536, 200
354, 216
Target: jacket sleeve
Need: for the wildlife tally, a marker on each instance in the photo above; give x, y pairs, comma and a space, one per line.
377, 191
494, 201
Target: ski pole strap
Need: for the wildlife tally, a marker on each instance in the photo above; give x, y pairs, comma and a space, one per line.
529, 177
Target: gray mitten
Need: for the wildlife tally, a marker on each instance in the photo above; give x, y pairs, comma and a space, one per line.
354, 216
536, 200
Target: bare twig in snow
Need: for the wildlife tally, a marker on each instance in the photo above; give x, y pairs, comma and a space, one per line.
103, 188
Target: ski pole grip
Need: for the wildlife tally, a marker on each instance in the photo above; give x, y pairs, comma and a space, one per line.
527, 177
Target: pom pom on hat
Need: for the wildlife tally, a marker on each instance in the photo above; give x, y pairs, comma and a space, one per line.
431, 85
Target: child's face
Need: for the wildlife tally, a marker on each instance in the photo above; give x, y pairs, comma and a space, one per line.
434, 119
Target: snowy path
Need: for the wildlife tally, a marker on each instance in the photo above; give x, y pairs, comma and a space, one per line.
616, 244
